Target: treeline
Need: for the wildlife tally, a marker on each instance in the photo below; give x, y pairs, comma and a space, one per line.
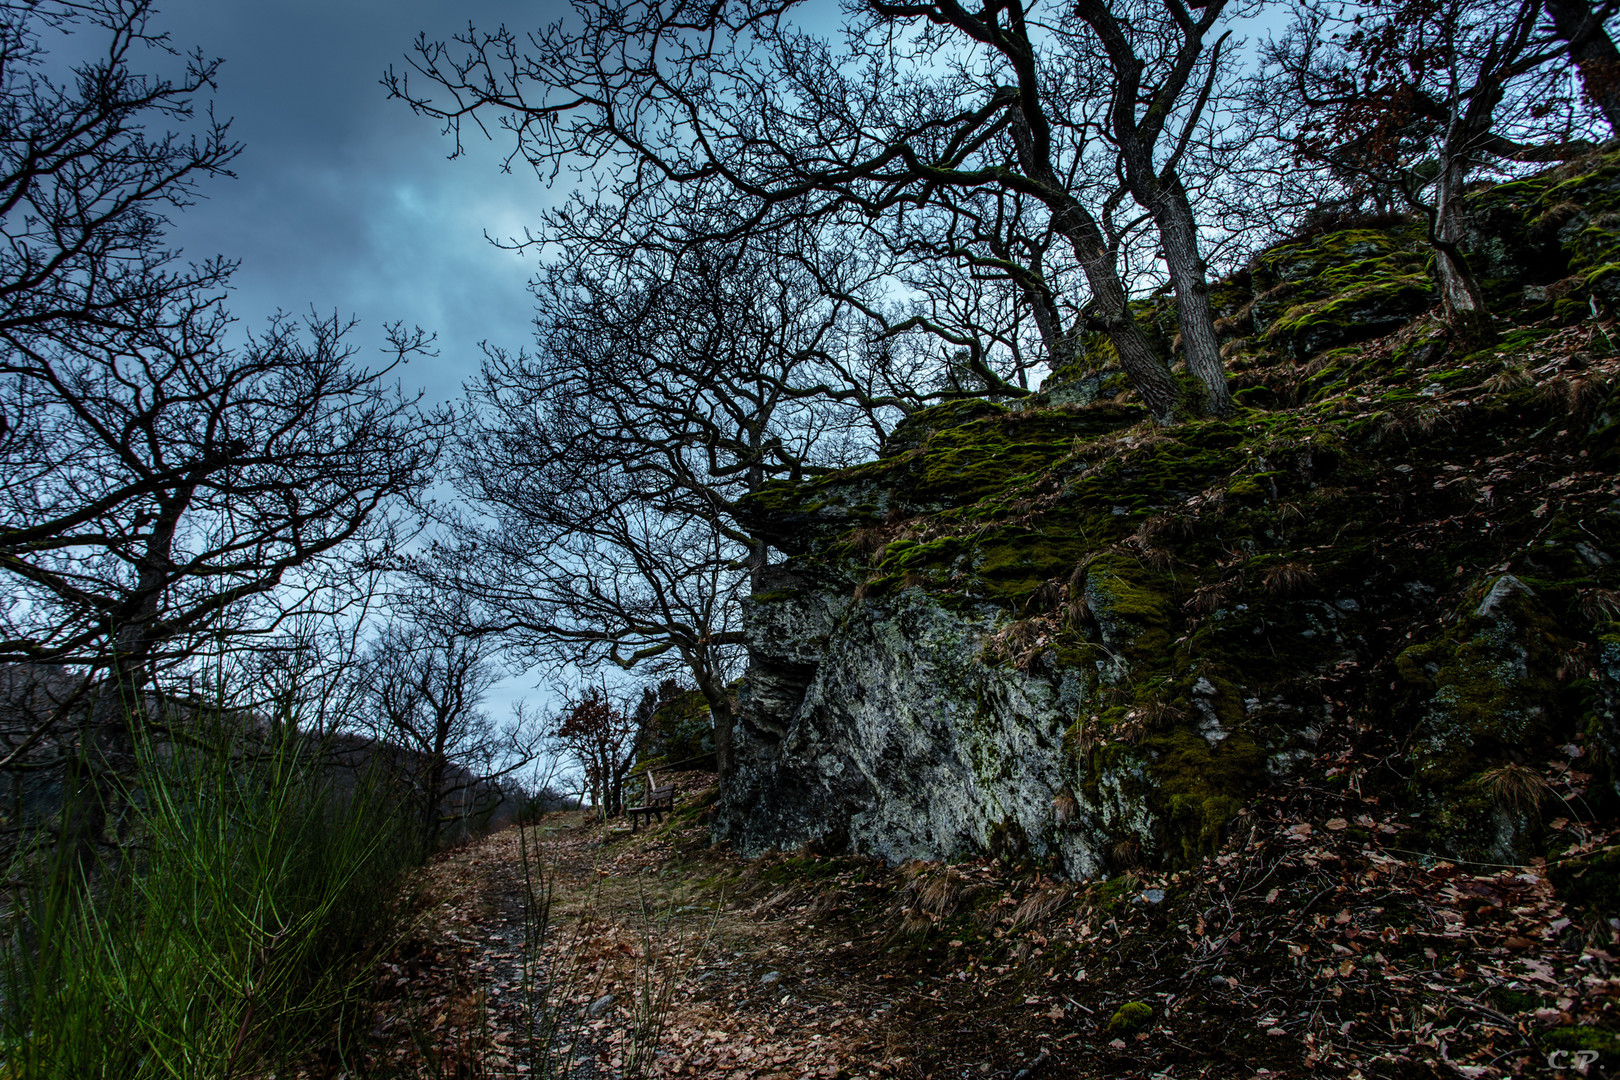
787, 236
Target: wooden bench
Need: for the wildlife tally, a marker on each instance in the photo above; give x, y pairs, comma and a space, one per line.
659, 798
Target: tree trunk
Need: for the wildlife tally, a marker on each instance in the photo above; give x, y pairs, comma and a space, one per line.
95, 788
1055, 337
106, 757
1147, 370
1178, 235
430, 811
1594, 54
1460, 295
725, 720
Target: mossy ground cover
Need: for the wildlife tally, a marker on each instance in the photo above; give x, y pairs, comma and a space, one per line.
1319, 554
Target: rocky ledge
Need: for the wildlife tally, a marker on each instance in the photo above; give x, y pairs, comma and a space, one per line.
1057, 632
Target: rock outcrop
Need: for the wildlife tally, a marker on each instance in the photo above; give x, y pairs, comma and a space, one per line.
1058, 632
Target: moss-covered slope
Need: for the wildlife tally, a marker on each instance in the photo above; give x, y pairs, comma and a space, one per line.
1152, 624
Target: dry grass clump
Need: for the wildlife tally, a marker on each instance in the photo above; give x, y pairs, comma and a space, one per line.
1020, 643
1161, 527
1126, 853
1577, 394
1410, 420
939, 893
931, 893
1159, 713
1064, 806
1598, 604
1515, 787
1289, 579
1047, 597
1511, 377
870, 539
913, 924
1208, 599
1041, 905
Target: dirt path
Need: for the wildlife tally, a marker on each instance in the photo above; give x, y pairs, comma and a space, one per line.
765, 977
1295, 953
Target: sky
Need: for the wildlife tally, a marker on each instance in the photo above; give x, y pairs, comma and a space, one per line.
346, 201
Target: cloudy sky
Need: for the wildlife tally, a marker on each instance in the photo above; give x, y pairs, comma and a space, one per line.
345, 200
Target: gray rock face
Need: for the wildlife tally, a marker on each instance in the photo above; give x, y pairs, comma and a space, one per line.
894, 739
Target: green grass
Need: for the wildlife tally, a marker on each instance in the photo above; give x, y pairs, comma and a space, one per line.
236, 929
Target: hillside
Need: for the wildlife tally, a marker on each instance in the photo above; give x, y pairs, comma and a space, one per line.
1053, 629
1075, 746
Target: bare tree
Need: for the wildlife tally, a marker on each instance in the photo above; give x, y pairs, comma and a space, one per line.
602, 740
425, 685
1416, 99
85, 186
1164, 76
731, 102
167, 496
1580, 25
605, 470
983, 285
161, 489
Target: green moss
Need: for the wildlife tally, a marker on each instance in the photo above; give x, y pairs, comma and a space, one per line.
1369, 310
1202, 787
1130, 1017
1487, 684
1590, 882
1132, 608
915, 429
1584, 1037
1514, 1001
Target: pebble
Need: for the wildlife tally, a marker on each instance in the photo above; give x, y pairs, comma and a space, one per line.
771, 977
600, 1005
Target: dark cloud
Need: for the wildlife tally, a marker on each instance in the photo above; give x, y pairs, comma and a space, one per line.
345, 200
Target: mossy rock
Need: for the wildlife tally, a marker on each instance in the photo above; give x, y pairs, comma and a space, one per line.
1200, 787
1162, 557
1372, 308
1130, 1018
683, 727
1589, 882
1132, 609
1486, 694
915, 429
1487, 683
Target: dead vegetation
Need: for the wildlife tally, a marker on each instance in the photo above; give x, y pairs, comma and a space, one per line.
1313, 944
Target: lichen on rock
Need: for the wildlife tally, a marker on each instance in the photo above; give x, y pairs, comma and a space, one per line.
1062, 633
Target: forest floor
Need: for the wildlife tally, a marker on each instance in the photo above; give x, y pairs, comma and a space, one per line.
1311, 945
